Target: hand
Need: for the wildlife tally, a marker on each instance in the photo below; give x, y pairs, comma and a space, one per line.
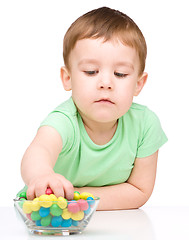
58, 183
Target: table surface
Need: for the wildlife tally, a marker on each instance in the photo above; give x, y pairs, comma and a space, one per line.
147, 223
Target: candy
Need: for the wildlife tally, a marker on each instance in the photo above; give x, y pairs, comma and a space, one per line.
23, 195
29, 216
53, 198
90, 201
45, 221
44, 212
35, 216
27, 207
45, 200
67, 223
38, 223
62, 202
56, 221
48, 210
48, 191
75, 223
83, 204
87, 211
77, 216
74, 207
76, 195
55, 210
66, 214
85, 195
35, 206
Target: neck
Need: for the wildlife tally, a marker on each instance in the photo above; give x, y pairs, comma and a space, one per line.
100, 133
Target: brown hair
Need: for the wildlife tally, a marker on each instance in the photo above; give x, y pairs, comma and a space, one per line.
108, 24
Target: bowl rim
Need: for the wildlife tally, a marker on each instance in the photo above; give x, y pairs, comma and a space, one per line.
17, 199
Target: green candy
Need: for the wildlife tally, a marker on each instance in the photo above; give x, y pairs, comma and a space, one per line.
35, 216
23, 195
55, 210
46, 221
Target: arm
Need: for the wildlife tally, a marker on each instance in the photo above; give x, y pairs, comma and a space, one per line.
38, 162
132, 194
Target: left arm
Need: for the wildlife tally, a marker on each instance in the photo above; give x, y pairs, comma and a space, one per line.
132, 194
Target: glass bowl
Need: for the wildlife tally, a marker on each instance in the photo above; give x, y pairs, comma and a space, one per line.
56, 217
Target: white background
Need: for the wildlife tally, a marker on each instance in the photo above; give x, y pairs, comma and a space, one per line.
31, 35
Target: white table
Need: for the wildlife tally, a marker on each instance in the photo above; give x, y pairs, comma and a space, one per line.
148, 223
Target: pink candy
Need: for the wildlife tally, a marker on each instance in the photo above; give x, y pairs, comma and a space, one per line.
48, 191
73, 207
80, 205
83, 204
29, 216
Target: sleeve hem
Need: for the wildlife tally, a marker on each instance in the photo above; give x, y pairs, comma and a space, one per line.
148, 152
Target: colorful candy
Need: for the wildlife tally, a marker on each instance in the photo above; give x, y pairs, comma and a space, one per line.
22, 195
48, 191
83, 204
62, 202
48, 210
73, 207
55, 210
44, 212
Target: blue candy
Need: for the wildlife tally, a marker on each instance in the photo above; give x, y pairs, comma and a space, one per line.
44, 212
56, 221
75, 223
90, 202
87, 211
38, 223
67, 223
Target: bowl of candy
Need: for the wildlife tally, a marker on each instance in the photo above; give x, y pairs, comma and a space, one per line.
49, 215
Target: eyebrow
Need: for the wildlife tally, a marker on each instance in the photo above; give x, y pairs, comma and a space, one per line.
94, 61
124, 63
88, 60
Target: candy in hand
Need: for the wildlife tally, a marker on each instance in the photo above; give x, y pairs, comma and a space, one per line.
48, 191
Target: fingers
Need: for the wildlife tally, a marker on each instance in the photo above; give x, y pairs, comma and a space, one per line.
58, 183
30, 193
36, 189
57, 188
63, 188
68, 189
40, 188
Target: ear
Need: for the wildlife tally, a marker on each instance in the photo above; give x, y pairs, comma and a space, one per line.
66, 79
140, 83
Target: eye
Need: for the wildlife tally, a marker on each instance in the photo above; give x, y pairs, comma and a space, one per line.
91, 73
120, 75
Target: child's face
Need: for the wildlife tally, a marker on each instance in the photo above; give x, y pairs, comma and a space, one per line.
103, 78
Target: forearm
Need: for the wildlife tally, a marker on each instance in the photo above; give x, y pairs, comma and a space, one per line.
36, 162
120, 196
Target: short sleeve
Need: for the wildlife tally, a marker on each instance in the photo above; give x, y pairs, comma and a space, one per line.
152, 136
63, 125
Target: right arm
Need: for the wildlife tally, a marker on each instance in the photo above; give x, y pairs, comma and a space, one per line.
38, 162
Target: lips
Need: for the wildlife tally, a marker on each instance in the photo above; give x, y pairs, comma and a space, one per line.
105, 100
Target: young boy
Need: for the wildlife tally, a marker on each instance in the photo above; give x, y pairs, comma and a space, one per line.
98, 141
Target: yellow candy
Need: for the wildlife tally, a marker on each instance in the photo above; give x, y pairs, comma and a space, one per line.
76, 195
45, 200
35, 206
85, 195
53, 197
27, 207
66, 214
62, 202
77, 216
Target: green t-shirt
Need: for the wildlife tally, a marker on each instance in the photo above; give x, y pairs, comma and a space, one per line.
84, 163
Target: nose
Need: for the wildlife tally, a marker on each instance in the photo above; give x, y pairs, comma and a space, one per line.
105, 82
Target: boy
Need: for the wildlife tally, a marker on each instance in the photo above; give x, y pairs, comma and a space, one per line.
98, 141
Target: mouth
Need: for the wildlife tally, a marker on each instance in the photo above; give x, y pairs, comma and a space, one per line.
105, 100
